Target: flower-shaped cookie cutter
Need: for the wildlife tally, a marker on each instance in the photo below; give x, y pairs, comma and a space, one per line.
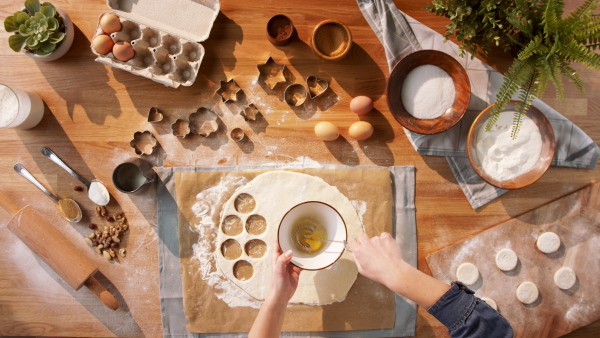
316, 86
154, 115
271, 73
143, 142
181, 128
250, 112
229, 91
203, 122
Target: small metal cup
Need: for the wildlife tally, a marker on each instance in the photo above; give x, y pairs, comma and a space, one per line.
133, 176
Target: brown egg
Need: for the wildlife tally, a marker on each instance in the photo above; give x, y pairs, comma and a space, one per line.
361, 105
123, 51
326, 131
102, 44
110, 23
361, 130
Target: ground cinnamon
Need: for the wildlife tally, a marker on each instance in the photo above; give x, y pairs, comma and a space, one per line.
331, 39
68, 209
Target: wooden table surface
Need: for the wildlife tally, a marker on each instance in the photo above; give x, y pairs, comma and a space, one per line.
93, 111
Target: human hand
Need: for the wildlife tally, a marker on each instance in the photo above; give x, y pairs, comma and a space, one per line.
378, 258
284, 281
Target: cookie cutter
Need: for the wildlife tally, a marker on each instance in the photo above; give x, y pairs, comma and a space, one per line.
237, 134
271, 73
250, 112
154, 115
295, 95
181, 128
229, 91
203, 122
316, 86
143, 142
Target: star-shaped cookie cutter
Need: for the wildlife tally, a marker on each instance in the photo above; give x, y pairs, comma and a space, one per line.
271, 73
228, 91
250, 112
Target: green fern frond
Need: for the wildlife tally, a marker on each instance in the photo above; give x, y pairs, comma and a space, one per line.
551, 17
527, 94
588, 32
517, 71
573, 52
530, 48
572, 75
583, 11
552, 67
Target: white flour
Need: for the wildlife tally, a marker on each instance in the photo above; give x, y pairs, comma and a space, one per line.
98, 193
504, 158
427, 92
9, 106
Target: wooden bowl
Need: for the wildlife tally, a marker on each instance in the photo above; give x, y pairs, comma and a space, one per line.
525, 179
451, 116
280, 30
331, 40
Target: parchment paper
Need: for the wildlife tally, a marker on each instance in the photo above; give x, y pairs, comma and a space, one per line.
404, 231
356, 312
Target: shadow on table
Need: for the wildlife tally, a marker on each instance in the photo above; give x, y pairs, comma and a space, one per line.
82, 82
376, 147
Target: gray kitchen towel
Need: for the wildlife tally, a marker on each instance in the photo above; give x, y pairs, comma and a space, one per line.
401, 35
170, 287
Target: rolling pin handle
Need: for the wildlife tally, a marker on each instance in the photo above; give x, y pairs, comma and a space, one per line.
8, 204
100, 291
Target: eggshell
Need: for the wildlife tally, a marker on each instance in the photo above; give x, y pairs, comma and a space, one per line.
361, 105
110, 23
326, 131
361, 130
123, 51
102, 44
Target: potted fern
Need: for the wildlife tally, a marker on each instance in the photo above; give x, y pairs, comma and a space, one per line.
545, 43
43, 31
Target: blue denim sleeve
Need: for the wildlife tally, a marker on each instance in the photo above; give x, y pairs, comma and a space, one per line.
468, 316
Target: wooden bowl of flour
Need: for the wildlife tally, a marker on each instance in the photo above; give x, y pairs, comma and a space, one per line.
433, 98
510, 163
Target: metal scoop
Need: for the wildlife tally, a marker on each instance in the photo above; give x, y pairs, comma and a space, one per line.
23, 172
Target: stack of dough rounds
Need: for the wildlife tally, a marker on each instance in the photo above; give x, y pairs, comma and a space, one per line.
467, 273
565, 278
506, 259
527, 292
548, 242
490, 302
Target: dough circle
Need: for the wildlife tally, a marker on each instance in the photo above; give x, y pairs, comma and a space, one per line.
467, 273
490, 302
506, 259
548, 242
565, 278
527, 292
276, 192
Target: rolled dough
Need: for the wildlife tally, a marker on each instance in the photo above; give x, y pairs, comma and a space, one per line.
274, 193
490, 302
467, 273
506, 259
565, 278
548, 242
527, 292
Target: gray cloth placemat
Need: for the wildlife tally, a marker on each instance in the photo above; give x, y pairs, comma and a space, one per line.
401, 35
171, 298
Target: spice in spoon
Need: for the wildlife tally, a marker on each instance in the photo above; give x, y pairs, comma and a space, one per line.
68, 209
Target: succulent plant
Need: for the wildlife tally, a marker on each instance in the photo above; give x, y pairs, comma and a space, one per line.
39, 28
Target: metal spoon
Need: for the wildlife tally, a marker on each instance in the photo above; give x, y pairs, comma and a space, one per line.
23, 172
54, 158
327, 240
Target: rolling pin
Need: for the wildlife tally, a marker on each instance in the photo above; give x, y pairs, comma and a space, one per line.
55, 250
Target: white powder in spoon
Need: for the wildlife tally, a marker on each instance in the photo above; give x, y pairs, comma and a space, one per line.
98, 193
427, 92
504, 158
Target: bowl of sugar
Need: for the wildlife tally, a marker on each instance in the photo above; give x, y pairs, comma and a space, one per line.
508, 160
428, 92
308, 229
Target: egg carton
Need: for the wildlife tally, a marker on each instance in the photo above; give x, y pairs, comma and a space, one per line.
165, 37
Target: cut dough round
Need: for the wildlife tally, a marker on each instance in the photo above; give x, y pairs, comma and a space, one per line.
490, 302
548, 242
527, 292
506, 259
467, 273
565, 278
272, 194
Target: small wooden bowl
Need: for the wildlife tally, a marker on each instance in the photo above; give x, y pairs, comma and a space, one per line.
280, 30
548, 148
331, 40
451, 116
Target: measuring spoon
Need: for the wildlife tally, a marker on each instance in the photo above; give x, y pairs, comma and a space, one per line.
54, 158
23, 172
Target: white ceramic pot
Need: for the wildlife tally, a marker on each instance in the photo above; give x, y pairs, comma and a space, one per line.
66, 43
